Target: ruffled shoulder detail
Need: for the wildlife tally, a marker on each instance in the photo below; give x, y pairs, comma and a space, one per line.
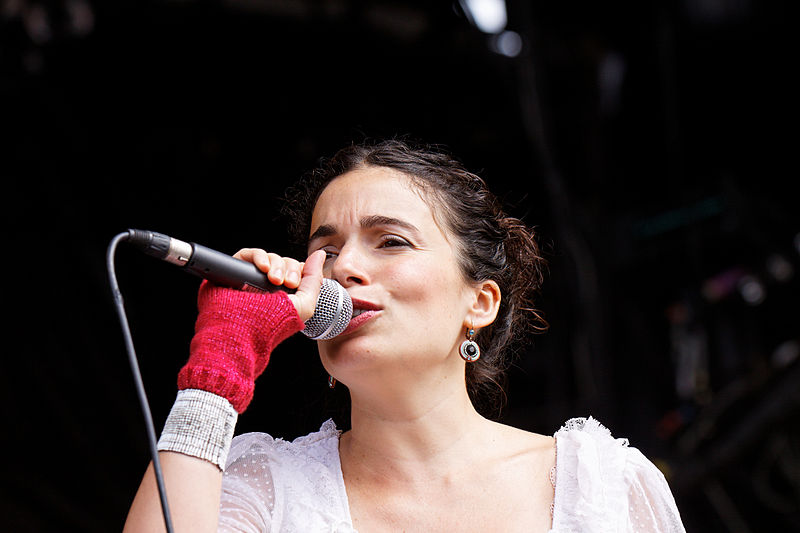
590, 489
603, 485
318, 445
587, 425
259, 440
326, 432
299, 483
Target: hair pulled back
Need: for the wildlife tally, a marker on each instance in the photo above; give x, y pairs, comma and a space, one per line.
490, 244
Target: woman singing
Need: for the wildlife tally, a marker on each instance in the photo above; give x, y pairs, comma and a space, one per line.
442, 281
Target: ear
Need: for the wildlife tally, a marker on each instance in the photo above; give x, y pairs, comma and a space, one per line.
484, 306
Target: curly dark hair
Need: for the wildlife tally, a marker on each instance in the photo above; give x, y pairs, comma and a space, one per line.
491, 245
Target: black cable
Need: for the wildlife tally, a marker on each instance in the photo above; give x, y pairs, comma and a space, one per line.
137, 376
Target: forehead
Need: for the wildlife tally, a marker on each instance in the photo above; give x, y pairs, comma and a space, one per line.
370, 191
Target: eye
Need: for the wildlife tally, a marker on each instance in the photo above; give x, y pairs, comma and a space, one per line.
392, 241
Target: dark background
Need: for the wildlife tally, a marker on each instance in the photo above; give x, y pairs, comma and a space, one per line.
649, 143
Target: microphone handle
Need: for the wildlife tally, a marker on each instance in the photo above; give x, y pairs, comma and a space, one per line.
228, 271
217, 267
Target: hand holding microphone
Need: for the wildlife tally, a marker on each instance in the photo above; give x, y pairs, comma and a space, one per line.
255, 301
304, 278
333, 309
236, 330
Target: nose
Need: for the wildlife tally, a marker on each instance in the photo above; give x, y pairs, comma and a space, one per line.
349, 266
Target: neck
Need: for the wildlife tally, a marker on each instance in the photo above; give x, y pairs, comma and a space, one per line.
405, 433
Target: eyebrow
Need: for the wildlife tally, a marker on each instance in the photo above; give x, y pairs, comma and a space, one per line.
326, 230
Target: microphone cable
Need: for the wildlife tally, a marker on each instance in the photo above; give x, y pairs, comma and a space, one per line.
137, 376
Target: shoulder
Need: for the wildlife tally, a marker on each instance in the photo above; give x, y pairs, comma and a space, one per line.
602, 479
513, 453
587, 439
316, 446
289, 483
585, 446
521, 439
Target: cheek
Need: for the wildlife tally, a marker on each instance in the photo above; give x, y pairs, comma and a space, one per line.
432, 290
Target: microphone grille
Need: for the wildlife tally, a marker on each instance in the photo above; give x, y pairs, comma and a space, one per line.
332, 314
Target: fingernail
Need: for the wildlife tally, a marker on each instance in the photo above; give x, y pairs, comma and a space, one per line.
278, 273
293, 277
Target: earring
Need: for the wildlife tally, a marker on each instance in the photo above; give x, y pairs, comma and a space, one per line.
331, 381
470, 351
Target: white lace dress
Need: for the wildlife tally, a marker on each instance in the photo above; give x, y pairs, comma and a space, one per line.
601, 485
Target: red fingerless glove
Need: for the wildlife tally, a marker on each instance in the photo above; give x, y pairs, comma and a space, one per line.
235, 333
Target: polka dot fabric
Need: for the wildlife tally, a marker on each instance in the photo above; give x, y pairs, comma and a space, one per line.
601, 485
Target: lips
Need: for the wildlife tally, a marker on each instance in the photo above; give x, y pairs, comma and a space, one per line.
359, 306
363, 311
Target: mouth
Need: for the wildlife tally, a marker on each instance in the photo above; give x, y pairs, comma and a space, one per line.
362, 312
362, 306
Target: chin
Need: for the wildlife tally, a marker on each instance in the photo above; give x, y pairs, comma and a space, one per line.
354, 354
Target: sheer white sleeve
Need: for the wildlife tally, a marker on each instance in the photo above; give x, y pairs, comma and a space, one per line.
603, 485
272, 485
248, 496
651, 506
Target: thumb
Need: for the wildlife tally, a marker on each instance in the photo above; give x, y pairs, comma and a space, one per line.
305, 298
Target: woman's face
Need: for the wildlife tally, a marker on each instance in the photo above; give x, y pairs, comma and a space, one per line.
410, 298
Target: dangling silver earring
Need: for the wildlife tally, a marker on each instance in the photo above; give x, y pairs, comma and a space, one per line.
470, 351
331, 381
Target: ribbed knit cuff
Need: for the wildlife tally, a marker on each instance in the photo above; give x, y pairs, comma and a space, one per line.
200, 424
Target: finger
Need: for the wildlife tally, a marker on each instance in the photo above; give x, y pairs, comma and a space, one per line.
294, 272
262, 260
243, 254
313, 265
305, 298
257, 256
278, 269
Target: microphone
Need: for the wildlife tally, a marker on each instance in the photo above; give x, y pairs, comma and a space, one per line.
334, 307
